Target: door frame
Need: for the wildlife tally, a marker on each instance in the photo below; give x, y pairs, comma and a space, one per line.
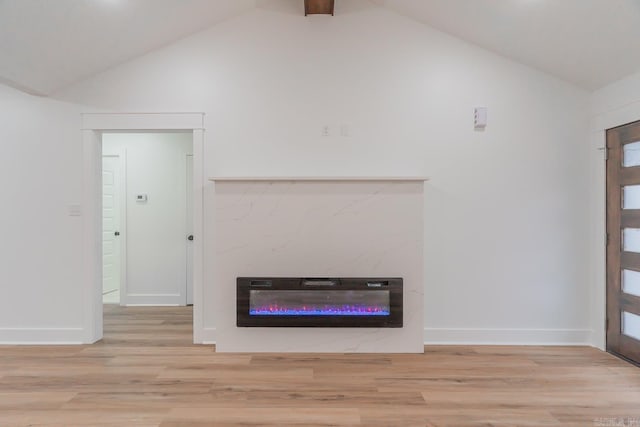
93, 124
598, 214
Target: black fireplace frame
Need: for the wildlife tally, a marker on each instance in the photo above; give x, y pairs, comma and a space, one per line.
394, 285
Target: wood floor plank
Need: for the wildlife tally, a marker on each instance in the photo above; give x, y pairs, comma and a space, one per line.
238, 372
274, 416
250, 384
526, 399
104, 384
147, 372
338, 360
72, 418
34, 400
462, 415
87, 370
171, 361
113, 350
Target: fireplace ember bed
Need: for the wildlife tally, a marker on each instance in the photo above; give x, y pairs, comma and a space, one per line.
319, 302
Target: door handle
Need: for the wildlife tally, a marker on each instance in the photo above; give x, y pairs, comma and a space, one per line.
190, 237
117, 233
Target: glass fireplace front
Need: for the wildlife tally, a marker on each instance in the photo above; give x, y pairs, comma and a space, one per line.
295, 302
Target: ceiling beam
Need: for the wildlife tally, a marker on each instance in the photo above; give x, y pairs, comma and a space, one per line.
318, 7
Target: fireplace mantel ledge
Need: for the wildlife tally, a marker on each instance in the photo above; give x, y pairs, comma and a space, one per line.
319, 178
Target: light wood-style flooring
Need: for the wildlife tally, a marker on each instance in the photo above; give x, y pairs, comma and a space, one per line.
146, 372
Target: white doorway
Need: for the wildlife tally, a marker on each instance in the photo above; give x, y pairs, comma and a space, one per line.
156, 182
93, 127
111, 225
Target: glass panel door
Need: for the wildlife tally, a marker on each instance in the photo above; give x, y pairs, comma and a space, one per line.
623, 241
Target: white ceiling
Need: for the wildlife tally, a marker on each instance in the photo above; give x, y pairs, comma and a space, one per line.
46, 45
590, 43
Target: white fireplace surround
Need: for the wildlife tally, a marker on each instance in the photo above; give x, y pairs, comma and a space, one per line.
348, 226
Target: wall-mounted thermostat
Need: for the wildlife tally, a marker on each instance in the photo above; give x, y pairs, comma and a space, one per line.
141, 198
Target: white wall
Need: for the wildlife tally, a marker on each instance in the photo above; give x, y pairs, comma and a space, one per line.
41, 250
506, 233
156, 231
611, 106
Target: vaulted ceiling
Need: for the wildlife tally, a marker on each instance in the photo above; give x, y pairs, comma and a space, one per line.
46, 45
590, 43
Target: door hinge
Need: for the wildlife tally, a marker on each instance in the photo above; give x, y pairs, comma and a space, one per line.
606, 238
606, 152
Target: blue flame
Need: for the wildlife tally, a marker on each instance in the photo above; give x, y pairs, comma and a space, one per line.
346, 310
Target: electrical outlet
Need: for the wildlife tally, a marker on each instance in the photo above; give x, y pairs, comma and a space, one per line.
324, 131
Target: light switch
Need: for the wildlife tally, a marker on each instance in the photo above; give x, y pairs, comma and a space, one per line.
480, 118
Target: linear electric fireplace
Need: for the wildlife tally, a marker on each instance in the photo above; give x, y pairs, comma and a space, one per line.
319, 302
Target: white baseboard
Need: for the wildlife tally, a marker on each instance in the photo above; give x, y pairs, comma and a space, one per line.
152, 305
477, 336
465, 336
599, 340
42, 336
131, 300
208, 336
432, 336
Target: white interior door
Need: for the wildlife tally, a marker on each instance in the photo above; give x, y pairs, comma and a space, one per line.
111, 257
190, 235
155, 246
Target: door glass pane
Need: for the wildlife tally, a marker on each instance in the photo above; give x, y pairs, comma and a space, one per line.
631, 197
631, 325
631, 154
631, 282
631, 240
